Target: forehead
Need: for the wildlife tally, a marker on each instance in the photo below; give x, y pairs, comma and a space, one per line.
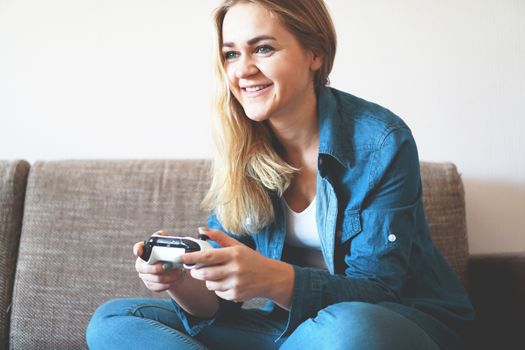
245, 21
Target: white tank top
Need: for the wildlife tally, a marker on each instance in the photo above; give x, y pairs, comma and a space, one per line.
302, 239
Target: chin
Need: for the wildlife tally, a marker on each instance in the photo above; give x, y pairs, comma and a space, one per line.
256, 116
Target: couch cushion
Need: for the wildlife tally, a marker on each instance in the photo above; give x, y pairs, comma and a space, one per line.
81, 220
13, 179
444, 200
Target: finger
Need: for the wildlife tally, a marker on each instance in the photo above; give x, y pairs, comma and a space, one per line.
230, 295
216, 286
223, 294
143, 267
162, 233
138, 248
219, 237
210, 273
158, 287
217, 256
170, 277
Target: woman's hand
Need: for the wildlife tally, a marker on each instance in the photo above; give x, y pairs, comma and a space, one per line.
160, 276
239, 273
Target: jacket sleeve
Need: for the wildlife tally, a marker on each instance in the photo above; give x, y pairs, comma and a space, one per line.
194, 325
377, 239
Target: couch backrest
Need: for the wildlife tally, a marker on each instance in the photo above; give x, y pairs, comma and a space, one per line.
82, 218
13, 178
444, 199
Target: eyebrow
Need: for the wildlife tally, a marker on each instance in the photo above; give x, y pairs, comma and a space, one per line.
252, 41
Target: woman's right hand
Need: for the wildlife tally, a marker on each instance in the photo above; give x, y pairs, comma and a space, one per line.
160, 276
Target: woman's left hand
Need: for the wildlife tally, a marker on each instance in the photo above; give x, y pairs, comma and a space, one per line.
238, 273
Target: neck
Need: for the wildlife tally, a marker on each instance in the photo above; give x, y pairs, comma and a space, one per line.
298, 133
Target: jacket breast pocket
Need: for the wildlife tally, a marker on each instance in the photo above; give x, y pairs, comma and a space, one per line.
351, 225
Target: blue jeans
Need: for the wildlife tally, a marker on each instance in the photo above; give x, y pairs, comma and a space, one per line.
153, 324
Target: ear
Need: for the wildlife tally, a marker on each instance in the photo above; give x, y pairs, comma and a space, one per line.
316, 61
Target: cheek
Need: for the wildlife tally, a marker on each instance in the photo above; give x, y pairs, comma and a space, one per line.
232, 81
281, 72
270, 70
229, 71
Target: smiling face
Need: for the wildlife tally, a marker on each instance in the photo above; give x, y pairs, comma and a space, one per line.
269, 72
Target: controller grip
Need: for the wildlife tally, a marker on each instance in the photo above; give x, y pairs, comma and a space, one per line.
167, 254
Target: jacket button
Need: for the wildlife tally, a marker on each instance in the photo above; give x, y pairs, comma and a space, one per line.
392, 238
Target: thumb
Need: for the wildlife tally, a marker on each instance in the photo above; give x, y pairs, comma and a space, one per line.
138, 248
219, 237
162, 233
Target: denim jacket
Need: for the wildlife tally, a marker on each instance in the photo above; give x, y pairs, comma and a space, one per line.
371, 222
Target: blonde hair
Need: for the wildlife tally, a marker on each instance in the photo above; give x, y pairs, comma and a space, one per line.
248, 171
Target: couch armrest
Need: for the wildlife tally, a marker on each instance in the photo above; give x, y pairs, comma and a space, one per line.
13, 181
497, 290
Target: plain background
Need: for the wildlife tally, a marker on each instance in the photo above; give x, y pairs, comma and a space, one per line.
133, 79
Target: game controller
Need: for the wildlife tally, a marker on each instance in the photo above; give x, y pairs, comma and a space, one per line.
167, 248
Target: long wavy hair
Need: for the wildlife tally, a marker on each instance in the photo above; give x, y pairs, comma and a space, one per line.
247, 168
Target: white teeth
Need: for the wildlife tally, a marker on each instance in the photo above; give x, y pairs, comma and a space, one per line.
255, 88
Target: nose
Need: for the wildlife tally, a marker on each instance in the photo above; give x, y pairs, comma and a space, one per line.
245, 68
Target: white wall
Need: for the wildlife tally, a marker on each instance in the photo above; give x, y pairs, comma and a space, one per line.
133, 79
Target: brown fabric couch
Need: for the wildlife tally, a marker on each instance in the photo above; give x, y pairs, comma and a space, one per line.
67, 229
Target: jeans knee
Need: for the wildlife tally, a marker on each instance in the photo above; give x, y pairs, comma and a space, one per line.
99, 325
346, 316
359, 325
343, 325
114, 307
358, 318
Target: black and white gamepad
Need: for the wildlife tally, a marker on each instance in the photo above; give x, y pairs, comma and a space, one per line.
167, 248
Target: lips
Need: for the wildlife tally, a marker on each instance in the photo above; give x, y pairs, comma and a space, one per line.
255, 90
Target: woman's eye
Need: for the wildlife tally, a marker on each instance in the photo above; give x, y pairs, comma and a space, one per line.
263, 49
229, 55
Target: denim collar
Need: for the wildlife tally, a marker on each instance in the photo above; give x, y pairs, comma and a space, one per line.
334, 139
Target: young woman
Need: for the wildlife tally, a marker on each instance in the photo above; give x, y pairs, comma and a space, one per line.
317, 207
